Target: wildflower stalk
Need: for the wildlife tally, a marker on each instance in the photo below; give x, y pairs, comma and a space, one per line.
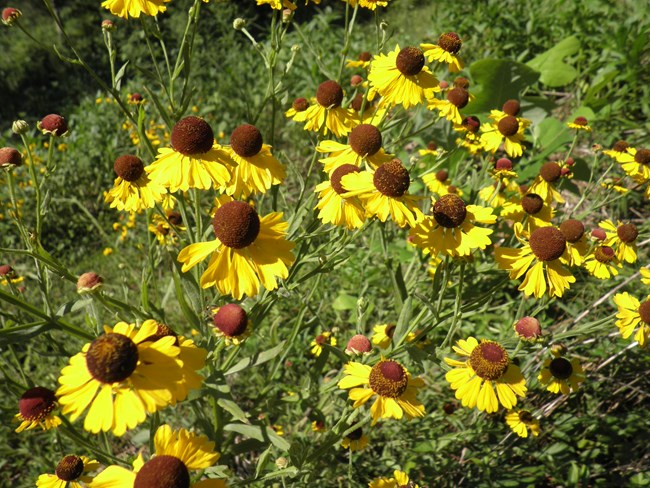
349, 26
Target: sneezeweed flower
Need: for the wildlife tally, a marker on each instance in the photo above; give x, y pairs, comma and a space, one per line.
9, 276
120, 377
456, 99
399, 479
247, 250
355, 440
561, 375
432, 149
383, 335
632, 313
618, 151
318, 342
333, 207
165, 228
507, 131
521, 421
576, 241
327, 113
362, 61
388, 380
502, 170
530, 210
401, 77
487, 367
232, 323
369, 4
622, 238
512, 108
135, 8
615, 184
89, 282
446, 51
256, 169
358, 345
636, 163
194, 160
645, 276
176, 454
35, 410
10, 15
528, 328
579, 124
133, 190
384, 193
135, 99
278, 4
70, 472
602, 263
10, 157
452, 230
544, 185
541, 261
364, 145
318, 426
298, 110
53, 124
471, 141
440, 184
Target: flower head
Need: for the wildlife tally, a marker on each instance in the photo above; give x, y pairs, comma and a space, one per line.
358, 345
579, 124
355, 440
319, 341
327, 113
507, 131
10, 15
35, 409
632, 314
522, 421
528, 328
10, 157
333, 207
561, 374
70, 472
622, 238
135, 8
364, 146
232, 323
133, 190
445, 51
53, 124
399, 479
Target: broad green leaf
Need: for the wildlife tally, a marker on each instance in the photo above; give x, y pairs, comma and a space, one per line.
262, 434
256, 359
344, 302
551, 66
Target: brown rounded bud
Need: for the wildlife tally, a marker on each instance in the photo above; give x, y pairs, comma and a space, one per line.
511, 107
10, 157
10, 15
528, 328
53, 124
599, 234
358, 344
356, 80
88, 282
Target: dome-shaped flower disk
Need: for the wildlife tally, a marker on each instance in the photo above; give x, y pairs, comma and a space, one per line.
133, 189
445, 51
135, 8
522, 421
508, 131
327, 114
364, 145
35, 409
71, 471
530, 210
561, 375
247, 250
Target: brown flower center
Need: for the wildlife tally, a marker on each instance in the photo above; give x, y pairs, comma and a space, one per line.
432, 146
547, 243
503, 164
489, 360
355, 435
162, 330
365, 139
528, 328
581, 121
236, 224
561, 368
627, 233
620, 146
191, 136
300, 104
532, 203
246, 140
329, 94
550, 172
471, 124
508, 126
128, 167
365, 56
450, 42
320, 339
442, 175
526, 417
338, 174
357, 102
449, 211
163, 472
36, 403
112, 358
458, 97
410, 61
642, 156
389, 331
604, 254
392, 179
644, 311
54, 124
359, 343
572, 229
461, 82
69, 468
10, 157
388, 379
231, 320
175, 218
511, 107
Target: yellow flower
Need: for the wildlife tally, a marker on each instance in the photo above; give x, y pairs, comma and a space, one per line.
134, 8
334, 208
456, 99
579, 123
446, 51
247, 250
560, 374
507, 131
645, 276
298, 110
193, 161
622, 238
440, 184
390, 382
369, 4
121, 376
107, 251
70, 473
231, 322
318, 426
540, 259
277, 4
133, 190
431, 150
384, 193
364, 145
452, 230
636, 163
545, 182
577, 245
165, 228
530, 210
176, 454
401, 78
602, 263
363, 61
618, 151
327, 113
631, 314
256, 169
35, 410
521, 421
398, 480
355, 440
486, 368
383, 335
317, 343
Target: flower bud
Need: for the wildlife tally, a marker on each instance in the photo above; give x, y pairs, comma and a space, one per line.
528, 328
238, 23
599, 234
88, 282
287, 15
10, 15
108, 25
356, 80
10, 157
19, 127
53, 124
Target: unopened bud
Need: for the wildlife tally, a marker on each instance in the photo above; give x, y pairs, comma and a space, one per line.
295, 48
19, 127
528, 328
356, 80
282, 462
108, 25
88, 282
443, 85
287, 15
599, 234
53, 124
238, 23
10, 157
10, 15
358, 344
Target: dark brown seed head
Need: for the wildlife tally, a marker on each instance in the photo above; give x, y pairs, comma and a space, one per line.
112, 358
573, 230
163, 472
511, 107
432, 146
580, 121
644, 311
231, 319
392, 179
365, 139
329, 94
53, 124
458, 97
365, 56
461, 82
340, 172
449, 211
36, 403
236, 224
300, 104
471, 124
442, 175
627, 233
620, 146
128, 167
489, 360
508, 126
192, 136
599, 234
526, 417
604, 254
69, 468
359, 344
388, 379
357, 102
561, 368
10, 157
175, 218
503, 164
410, 61
246, 140
547, 243
532, 203
450, 42
550, 172
642, 156
355, 435
528, 328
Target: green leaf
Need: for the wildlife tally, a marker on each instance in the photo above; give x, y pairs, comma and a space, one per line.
256, 359
344, 302
551, 66
262, 434
500, 80
21, 333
